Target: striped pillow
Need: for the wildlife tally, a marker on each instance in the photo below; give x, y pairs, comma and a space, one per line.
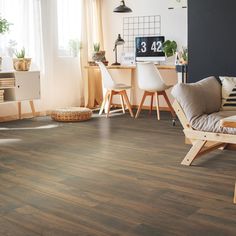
228, 93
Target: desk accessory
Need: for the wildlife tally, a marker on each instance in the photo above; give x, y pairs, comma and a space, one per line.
118, 42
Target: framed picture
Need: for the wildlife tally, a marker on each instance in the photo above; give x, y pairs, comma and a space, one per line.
127, 58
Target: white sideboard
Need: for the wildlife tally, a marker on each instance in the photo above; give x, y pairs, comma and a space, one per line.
20, 86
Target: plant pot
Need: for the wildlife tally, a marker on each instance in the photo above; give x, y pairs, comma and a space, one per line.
99, 56
170, 60
21, 64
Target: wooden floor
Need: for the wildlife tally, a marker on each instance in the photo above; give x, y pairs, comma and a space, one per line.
116, 176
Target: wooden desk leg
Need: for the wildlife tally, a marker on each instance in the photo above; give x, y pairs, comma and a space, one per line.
32, 108
132, 91
19, 110
235, 194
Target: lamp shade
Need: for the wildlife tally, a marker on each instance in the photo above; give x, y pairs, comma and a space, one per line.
119, 41
122, 8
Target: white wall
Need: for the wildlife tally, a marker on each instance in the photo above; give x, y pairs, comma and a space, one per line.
173, 27
174, 22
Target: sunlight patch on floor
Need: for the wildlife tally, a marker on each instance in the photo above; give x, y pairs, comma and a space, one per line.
12, 140
32, 128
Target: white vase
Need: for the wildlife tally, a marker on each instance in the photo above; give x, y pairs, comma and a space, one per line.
170, 60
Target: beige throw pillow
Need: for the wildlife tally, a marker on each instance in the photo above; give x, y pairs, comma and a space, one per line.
228, 93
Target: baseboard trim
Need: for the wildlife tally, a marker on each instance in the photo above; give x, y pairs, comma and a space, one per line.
48, 113
24, 116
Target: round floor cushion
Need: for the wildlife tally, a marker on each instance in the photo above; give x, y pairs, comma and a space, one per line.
71, 114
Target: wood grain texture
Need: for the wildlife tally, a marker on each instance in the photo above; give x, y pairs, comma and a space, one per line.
116, 176
229, 122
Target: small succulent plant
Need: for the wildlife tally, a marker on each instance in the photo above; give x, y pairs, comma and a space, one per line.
20, 54
96, 47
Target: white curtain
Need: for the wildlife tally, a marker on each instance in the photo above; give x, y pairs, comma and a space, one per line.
63, 72
40, 26
92, 32
25, 31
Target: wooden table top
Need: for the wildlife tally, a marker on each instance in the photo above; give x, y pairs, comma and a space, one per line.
132, 67
229, 122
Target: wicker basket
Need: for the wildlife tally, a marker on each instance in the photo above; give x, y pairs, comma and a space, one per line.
72, 114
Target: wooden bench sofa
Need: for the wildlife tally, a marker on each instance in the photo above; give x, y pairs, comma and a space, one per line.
198, 107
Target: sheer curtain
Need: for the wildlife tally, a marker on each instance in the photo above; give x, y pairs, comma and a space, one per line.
45, 28
62, 70
92, 32
25, 30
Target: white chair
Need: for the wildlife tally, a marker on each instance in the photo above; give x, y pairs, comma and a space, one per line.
113, 89
150, 80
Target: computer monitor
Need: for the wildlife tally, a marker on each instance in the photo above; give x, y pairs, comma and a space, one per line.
149, 48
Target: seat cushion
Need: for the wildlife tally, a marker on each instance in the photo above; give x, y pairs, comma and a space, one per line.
211, 122
203, 97
71, 114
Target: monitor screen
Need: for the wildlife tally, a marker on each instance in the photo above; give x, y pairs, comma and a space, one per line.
149, 48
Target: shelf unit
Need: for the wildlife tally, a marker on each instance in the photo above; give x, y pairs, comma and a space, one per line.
25, 87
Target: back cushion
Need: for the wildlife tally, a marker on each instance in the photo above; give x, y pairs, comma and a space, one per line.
203, 97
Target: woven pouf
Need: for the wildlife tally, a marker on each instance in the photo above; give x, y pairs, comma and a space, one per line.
71, 114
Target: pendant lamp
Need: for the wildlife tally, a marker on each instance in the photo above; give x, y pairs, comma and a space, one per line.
122, 8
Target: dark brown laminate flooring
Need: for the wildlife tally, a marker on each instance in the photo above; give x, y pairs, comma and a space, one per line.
116, 176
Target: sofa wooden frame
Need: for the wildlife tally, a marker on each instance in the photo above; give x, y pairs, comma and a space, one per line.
202, 142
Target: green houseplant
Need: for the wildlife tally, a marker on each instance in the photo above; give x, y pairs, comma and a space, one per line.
184, 56
4, 26
96, 47
21, 63
98, 55
75, 46
169, 48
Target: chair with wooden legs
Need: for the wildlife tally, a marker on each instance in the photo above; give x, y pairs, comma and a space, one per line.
113, 89
149, 80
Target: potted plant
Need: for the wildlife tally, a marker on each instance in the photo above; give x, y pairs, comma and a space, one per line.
4, 28
75, 46
170, 48
98, 55
21, 63
184, 57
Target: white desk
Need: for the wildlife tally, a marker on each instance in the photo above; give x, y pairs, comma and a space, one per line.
94, 85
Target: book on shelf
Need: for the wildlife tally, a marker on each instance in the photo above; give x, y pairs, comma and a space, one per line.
2, 96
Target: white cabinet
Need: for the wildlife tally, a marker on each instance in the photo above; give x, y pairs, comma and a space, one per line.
27, 86
20, 86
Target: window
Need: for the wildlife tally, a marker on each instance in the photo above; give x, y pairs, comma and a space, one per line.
69, 27
25, 31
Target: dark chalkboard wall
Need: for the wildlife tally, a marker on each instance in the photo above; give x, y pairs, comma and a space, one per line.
212, 38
